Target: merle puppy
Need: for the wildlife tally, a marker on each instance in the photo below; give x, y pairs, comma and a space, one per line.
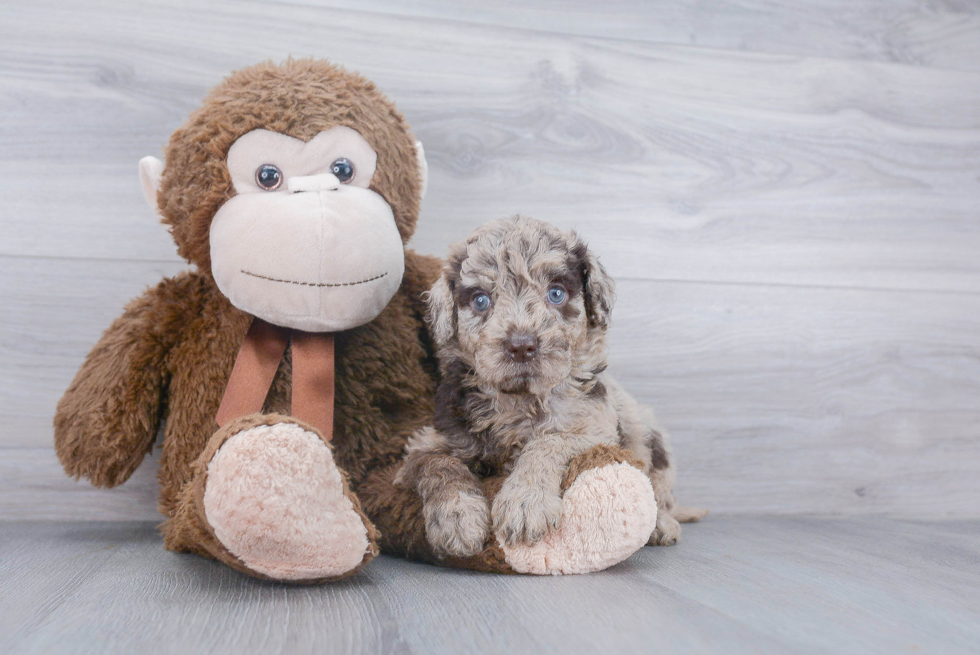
519, 318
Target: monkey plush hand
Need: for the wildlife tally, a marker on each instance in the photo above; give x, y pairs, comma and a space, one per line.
292, 191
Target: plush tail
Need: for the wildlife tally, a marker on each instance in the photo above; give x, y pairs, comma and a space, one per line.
688, 514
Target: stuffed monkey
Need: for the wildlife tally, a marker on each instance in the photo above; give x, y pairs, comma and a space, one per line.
289, 367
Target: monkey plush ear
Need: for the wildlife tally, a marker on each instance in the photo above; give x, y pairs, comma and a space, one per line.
151, 170
441, 316
423, 168
600, 291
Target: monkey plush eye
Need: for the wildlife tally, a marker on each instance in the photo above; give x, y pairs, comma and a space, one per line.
480, 302
268, 177
343, 168
557, 295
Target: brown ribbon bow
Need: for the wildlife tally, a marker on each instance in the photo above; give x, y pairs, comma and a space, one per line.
256, 365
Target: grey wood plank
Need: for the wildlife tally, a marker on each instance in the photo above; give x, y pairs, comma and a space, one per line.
733, 585
54, 311
779, 398
816, 400
34, 487
888, 586
682, 163
937, 34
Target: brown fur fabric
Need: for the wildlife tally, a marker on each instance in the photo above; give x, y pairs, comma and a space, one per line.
600, 455
167, 359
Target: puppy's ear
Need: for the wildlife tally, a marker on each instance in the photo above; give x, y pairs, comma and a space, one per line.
599, 289
441, 316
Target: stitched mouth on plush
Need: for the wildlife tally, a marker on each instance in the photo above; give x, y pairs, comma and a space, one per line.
315, 284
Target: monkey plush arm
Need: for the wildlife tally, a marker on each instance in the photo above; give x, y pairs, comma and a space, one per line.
106, 421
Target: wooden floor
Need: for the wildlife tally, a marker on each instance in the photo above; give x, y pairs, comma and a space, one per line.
734, 585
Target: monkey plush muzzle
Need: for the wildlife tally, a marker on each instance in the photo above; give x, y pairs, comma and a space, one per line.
316, 260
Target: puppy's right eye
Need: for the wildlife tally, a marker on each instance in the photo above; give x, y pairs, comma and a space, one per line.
480, 302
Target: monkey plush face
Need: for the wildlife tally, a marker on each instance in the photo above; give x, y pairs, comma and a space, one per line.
305, 243
295, 187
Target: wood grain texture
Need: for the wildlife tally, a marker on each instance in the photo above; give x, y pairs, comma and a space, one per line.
819, 399
733, 585
33, 486
682, 163
787, 193
936, 34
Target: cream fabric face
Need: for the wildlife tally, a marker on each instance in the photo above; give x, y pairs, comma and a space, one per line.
298, 158
319, 260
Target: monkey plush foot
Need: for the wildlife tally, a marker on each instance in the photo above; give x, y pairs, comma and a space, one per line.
270, 501
609, 511
276, 500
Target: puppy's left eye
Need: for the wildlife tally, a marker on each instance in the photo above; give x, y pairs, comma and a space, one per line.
557, 295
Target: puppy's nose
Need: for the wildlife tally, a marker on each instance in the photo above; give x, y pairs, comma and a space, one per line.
522, 347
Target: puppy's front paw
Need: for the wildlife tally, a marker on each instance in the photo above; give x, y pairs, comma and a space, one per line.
524, 514
459, 525
668, 530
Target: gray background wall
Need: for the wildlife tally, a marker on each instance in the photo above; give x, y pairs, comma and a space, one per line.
787, 194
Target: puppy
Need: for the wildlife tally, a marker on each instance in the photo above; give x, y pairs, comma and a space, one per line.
519, 320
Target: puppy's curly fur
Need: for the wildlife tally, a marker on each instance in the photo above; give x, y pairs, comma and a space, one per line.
519, 317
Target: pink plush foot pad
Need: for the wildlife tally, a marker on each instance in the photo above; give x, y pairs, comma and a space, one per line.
275, 500
609, 514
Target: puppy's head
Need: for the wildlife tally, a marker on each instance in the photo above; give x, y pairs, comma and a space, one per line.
522, 303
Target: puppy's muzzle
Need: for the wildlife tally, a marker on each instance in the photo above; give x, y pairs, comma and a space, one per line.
522, 347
